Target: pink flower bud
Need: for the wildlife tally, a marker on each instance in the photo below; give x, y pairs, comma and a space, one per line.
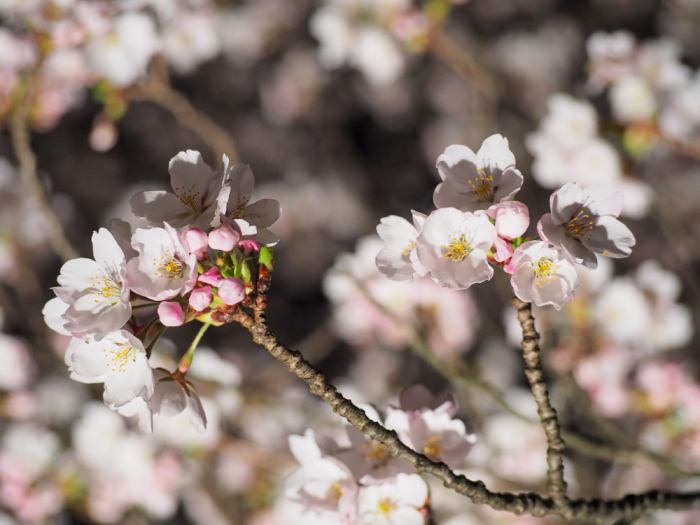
249, 246
223, 238
504, 250
196, 242
170, 313
512, 218
211, 276
231, 291
200, 298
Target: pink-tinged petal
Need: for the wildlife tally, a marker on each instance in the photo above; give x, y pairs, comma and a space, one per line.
395, 230
200, 298
248, 246
211, 276
197, 415
231, 291
504, 250
494, 154
512, 218
418, 220
223, 238
566, 202
170, 313
610, 237
195, 242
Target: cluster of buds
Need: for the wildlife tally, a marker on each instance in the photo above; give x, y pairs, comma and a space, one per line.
478, 225
204, 254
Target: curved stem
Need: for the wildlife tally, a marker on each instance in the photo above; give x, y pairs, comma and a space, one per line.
548, 416
21, 144
186, 360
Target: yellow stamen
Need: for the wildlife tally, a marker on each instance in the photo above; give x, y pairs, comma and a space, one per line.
408, 249
433, 448
120, 356
544, 271
386, 506
171, 267
189, 197
580, 224
376, 453
458, 249
482, 186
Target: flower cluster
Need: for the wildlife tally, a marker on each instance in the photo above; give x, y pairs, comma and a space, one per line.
355, 481
195, 261
70, 46
477, 225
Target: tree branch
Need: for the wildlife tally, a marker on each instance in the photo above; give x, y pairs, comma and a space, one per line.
629, 506
21, 144
556, 483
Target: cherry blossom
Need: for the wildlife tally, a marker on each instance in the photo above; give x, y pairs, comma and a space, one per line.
396, 501
427, 424
196, 197
255, 218
584, 222
399, 259
92, 298
453, 247
474, 181
118, 360
163, 268
543, 275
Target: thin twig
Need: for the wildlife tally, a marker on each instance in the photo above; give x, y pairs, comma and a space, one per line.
548, 417
21, 144
160, 92
594, 509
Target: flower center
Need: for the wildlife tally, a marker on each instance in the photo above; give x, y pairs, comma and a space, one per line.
482, 186
432, 447
107, 288
580, 224
544, 271
171, 267
386, 506
189, 197
458, 249
375, 453
335, 492
120, 355
408, 249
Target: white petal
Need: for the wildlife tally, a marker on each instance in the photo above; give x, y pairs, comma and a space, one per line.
566, 202
241, 183
610, 237
190, 177
495, 153
53, 315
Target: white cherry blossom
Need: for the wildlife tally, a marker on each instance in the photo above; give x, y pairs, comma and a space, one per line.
584, 222
453, 247
474, 181
163, 268
396, 501
195, 200
543, 275
255, 218
118, 360
92, 298
428, 425
398, 260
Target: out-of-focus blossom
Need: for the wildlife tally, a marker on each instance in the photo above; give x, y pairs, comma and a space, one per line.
16, 365
394, 502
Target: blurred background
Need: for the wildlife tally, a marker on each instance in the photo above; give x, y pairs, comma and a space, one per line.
341, 107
